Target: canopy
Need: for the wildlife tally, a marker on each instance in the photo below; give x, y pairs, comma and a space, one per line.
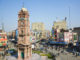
2, 39
61, 43
54, 42
4, 44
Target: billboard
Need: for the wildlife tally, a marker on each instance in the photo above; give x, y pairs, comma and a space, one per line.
68, 37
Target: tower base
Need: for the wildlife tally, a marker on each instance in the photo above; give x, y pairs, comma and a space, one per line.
24, 52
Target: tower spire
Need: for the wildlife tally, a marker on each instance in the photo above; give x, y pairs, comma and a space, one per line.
23, 4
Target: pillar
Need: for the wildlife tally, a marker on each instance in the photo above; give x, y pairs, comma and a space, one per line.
25, 54
19, 55
30, 51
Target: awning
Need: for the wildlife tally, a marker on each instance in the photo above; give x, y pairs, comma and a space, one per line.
4, 44
61, 43
54, 42
2, 39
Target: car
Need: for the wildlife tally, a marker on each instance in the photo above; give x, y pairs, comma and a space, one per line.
9, 51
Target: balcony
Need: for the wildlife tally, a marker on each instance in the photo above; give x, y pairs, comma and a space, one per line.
21, 35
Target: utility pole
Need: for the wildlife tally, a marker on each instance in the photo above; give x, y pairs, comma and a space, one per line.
2, 26
69, 19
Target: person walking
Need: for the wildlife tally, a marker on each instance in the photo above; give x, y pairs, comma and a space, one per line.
76, 54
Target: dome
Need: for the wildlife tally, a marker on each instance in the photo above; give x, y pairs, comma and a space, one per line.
24, 9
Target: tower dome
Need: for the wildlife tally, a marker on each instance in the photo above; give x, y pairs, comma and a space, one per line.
23, 13
24, 9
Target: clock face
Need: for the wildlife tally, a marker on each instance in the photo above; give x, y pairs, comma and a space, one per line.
22, 23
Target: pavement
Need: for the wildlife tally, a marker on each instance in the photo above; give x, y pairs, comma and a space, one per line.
63, 56
10, 58
67, 57
35, 57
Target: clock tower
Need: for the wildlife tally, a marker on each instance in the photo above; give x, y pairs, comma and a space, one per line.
24, 45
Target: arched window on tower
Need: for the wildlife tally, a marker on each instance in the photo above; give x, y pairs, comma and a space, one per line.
23, 15
22, 32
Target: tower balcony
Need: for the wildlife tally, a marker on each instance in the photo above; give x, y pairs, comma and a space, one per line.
21, 35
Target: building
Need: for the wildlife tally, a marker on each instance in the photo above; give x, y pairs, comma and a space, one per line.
38, 26
60, 25
3, 41
56, 29
45, 34
77, 30
68, 36
38, 30
75, 38
3, 38
61, 35
13, 35
24, 45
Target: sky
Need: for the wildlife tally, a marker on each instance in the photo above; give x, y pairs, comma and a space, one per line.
46, 11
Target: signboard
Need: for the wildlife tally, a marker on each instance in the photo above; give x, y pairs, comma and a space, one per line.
32, 46
66, 36
70, 35
0, 37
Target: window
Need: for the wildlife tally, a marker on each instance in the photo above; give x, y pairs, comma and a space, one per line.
75, 37
21, 31
22, 23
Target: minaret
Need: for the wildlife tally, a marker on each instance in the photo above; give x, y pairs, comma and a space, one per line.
24, 45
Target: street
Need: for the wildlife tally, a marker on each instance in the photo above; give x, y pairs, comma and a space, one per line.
63, 56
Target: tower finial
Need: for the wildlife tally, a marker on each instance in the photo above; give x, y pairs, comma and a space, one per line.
23, 5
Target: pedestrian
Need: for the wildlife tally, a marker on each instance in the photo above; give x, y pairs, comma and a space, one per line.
76, 54
73, 53
58, 54
6, 59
